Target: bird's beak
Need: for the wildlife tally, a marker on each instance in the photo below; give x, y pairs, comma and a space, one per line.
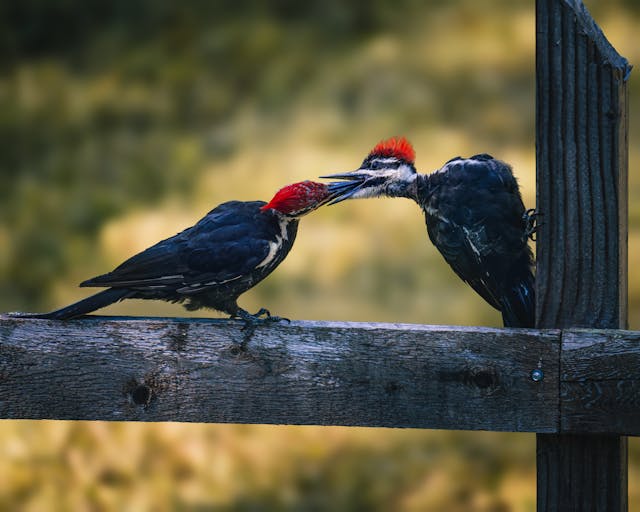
356, 184
331, 195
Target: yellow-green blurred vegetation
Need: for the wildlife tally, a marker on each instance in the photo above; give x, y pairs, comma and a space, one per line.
123, 122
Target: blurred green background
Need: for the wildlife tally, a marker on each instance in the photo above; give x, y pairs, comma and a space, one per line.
123, 122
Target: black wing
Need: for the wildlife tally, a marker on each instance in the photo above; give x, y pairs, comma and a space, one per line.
475, 219
460, 246
519, 299
223, 246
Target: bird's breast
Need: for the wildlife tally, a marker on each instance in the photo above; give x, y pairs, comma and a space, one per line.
275, 245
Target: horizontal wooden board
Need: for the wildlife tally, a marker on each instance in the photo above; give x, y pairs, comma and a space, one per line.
600, 381
323, 373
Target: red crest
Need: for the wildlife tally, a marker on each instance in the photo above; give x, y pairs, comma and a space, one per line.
397, 147
297, 197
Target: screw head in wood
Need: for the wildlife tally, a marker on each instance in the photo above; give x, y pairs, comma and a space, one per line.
537, 375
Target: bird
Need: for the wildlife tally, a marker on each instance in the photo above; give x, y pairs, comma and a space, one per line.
474, 215
209, 265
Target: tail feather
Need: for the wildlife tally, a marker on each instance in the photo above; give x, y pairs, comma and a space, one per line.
84, 306
519, 303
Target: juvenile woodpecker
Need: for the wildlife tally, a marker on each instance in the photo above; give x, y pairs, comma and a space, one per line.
474, 214
209, 265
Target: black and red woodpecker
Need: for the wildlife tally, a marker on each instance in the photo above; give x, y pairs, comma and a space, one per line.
474, 214
209, 265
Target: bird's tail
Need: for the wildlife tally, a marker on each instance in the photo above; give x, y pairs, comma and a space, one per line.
84, 306
519, 299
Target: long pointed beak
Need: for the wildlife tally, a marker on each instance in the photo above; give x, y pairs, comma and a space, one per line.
334, 194
351, 175
343, 190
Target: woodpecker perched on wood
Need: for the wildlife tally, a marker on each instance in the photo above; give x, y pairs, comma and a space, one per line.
474, 214
209, 265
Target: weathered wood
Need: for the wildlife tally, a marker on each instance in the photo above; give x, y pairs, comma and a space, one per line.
581, 171
323, 373
600, 382
320, 373
564, 459
581, 153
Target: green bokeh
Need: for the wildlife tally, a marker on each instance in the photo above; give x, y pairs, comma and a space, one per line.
123, 122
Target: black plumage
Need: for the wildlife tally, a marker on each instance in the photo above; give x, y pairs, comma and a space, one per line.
209, 265
476, 219
474, 214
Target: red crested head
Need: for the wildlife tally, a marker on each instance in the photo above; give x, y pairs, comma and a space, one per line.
300, 198
395, 147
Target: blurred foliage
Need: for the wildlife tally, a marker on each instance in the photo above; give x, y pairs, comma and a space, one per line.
123, 122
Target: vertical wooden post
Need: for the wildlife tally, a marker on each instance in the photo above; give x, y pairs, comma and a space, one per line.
581, 152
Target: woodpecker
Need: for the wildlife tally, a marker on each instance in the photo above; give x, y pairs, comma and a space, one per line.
209, 265
474, 215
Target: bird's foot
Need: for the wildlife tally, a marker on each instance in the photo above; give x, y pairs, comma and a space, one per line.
251, 322
261, 317
530, 218
268, 317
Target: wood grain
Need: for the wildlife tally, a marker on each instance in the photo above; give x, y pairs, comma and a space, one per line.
581, 155
322, 373
581, 171
600, 381
325, 373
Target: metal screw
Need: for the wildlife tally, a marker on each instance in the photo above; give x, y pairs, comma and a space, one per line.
537, 375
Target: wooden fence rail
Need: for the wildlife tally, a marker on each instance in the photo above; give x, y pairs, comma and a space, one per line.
322, 373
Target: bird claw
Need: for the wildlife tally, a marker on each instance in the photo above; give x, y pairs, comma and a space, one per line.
251, 322
530, 218
268, 317
260, 317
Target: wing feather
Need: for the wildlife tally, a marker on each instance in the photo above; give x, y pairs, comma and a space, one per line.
223, 246
464, 251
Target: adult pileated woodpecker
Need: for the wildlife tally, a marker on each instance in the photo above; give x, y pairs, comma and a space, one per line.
234, 247
475, 217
